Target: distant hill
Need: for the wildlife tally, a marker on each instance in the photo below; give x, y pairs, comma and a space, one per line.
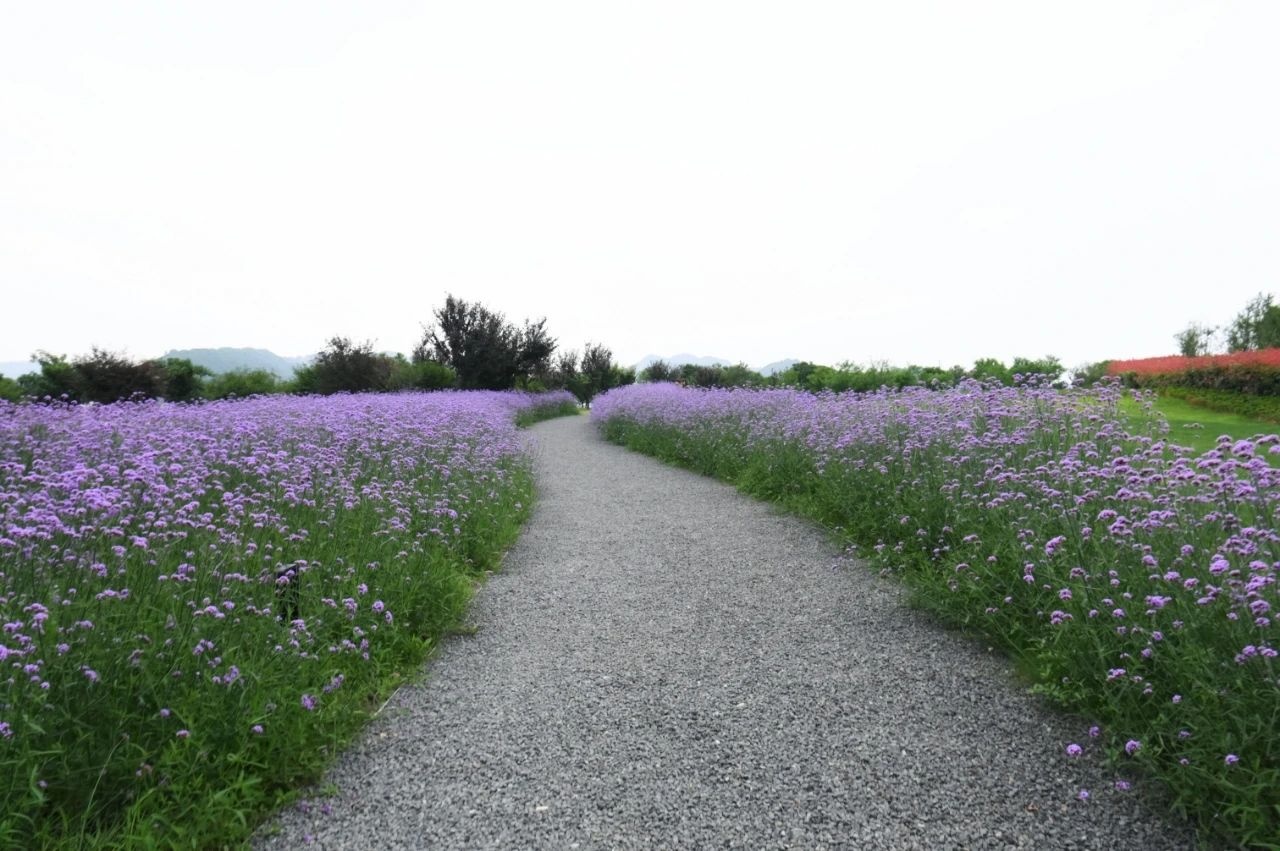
13, 369
777, 366
228, 359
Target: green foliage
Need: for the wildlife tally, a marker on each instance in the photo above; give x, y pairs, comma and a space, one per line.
1195, 340
242, 383
1261, 408
56, 378
736, 375
1089, 374
659, 370
421, 375
10, 390
104, 376
484, 350
849, 377
183, 380
345, 367
1255, 327
991, 369
796, 375
546, 412
1247, 379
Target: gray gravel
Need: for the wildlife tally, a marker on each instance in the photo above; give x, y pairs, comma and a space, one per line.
665, 663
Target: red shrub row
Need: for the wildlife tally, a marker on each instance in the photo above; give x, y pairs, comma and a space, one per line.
1175, 364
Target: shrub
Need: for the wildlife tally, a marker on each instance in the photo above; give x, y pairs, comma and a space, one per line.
10, 390
1228, 401
421, 375
242, 383
344, 366
104, 376
183, 380
56, 378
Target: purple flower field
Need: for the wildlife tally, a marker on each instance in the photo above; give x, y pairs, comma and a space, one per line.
200, 601
1133, 581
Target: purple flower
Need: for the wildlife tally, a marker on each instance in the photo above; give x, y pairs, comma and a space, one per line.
1132, 746
1074, 750
1231, 759
308, 703
1082, 795
182, 734
1123, 786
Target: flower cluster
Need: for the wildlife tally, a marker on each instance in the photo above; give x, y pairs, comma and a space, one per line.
178, 581
1136, 578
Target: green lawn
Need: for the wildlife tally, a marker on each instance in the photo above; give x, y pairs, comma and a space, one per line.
1184, 418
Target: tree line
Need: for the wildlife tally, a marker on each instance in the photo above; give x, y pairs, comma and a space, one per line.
1257, 326
466, 346
852, 377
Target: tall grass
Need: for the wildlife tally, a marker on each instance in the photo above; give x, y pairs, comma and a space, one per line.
201, 602
1133, 580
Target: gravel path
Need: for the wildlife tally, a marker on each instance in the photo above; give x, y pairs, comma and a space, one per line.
665, 663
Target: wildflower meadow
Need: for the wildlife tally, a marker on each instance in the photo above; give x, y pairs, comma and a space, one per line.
201, 602
1132, 580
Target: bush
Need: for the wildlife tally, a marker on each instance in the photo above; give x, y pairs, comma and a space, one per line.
183, 380
104, 376
242, 383
346, 367
56, 378
10, 390
1229, 401
1089, 374
422, 375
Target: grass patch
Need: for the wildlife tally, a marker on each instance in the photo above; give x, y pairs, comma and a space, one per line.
1198, 427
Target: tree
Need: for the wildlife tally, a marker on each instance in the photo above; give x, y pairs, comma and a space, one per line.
485, 351
991, 369
348, 367
1195, 340
420, 375
1255, 327
56, 378
104, 376
659, 370
597, 373
183, 380
241, 383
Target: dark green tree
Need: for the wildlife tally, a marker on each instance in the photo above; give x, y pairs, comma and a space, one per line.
659, 370
347, 367
1255, 327
56, 378
484, 350
596, 372
105, 376
10, 390
183, 380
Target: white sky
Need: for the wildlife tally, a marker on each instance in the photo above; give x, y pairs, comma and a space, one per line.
912, 182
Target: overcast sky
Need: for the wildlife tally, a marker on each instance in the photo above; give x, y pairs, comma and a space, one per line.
910, 182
